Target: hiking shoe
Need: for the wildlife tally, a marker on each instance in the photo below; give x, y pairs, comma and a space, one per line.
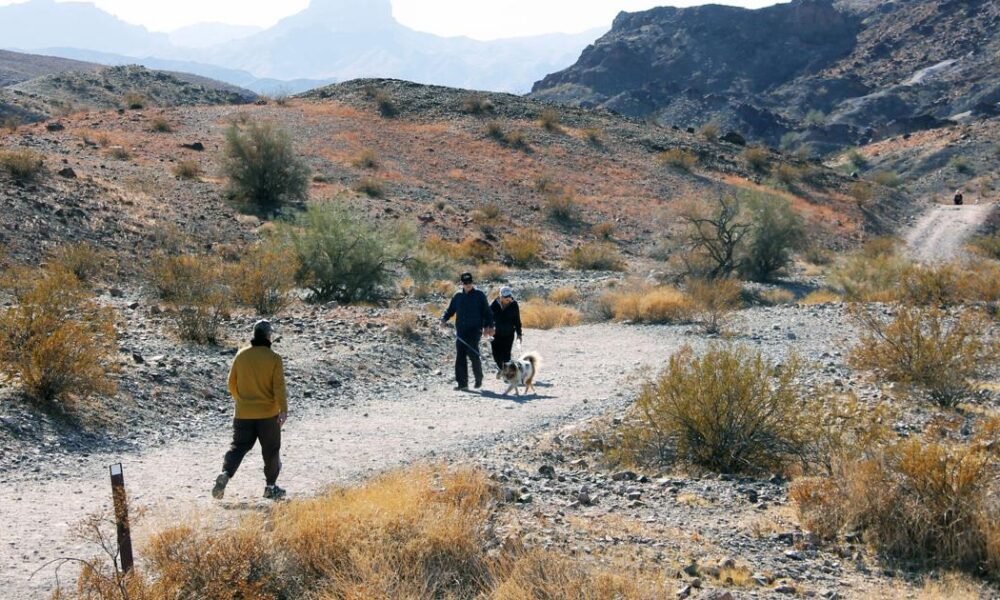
460, 388
479, 384
219, 490
273, 492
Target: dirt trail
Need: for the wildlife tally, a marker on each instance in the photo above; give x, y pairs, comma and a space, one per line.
580, 375
939, 235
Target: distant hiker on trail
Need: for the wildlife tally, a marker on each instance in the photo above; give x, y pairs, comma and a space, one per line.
958, 197
473, 319
257, 384
507, 323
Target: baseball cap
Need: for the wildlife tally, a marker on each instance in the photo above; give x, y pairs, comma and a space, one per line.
262, 329
506, 292
466, 278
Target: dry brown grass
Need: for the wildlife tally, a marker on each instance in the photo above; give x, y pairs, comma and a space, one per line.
820, 297
714, 300
662, 304
603, 231
491, 272
22, 165
187, 169
601, 256
87, 262
549, 120
366, 159
263, 278
196, 288
564, 295
371, 187
160, 125
757, 158
540, 314
776, 297
677, 158
524, 247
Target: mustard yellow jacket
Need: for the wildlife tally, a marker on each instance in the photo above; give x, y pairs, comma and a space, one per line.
257, 383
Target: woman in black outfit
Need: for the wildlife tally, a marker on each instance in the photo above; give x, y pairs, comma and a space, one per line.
507, 321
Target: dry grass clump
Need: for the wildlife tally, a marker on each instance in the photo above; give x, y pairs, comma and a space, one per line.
475, 104
22, 165
728, 411
870, 275
820, 297
263, 278
776, 297
371, 187
366, 159
887, 178
187, 169
603, 231
119, 153
196, 288
677, 158
550, 121
406, 324
84, 261
491, 272
714, 300
134, 100
987, 246
524, 248
486, 214
595, 136
542, 314
787, 174
927, 349
514, 139
757, 158
471, 248
160, 125
59, 343
662, 304
564, 295
922, 500
562, 208
385, 103
546, 575
710, 131
600, 256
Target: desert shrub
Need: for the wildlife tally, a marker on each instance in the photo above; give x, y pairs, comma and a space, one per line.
678, 158
524, 248
564, 295
713, 301
385, 103
487, 213
786, 174
869, 276
815, 118
604, 230
857, 160
887, 178
775, 232
818, 255
861, 191
84, 261
22, 165
59, 343
344, 257
546, 184
406, 324
160, 125
539, 574
366, 159
264, 172
776, 297
920, 500
541, 314
925, 348
264, 276
195, 286
595, 136
119, 153
987, 246
562, 208
134, 100
494, 129
727, 411
600, 256
757, 158
647, 305
714, 237
491, 272
710, 131
476, 104
370, 187
187, 169
932, 285
517, 139
12, 123
550, 121
961, 165
820, 297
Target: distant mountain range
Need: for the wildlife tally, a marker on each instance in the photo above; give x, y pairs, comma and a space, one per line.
332, 40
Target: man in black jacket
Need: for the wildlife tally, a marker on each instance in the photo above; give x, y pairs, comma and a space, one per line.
507, 323
473, 318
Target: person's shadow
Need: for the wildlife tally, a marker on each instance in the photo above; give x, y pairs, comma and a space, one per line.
522, 399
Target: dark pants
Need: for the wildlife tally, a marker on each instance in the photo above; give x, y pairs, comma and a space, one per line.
501, 345
245, 433
467, 347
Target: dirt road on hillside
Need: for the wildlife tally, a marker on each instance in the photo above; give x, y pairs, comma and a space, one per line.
942, 231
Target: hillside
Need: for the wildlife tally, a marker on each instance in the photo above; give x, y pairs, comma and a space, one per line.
816, 74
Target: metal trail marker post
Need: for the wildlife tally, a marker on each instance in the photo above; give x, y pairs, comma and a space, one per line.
121, 516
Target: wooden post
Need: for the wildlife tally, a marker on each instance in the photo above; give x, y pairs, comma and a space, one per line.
121, 516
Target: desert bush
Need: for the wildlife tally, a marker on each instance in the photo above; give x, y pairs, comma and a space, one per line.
776, 297
961, 165
861, 191
366, 159
562, 208
406, 324
932, 285
857, 160
603, 231
550, 121
59, 343
869, 276
713, 301
84, 261
12, 123
820, 297
564, 295
196, 288
344, 257
786, 174
595, 136
775, 232
727, 411
926, 349
187, 169
887, 178
370, 187
475, 104
647, 305
600, 256
541, 314
517, 139
714, 238
385, 103
495, 130
134, 100
160, 125
524, 248
264, 172
489, 212
491, 272
264, 276
710, 131
680, 159
546, 184
818, 255
757, 158
119, 153
22, 165
924, 501
987, 246
815, 118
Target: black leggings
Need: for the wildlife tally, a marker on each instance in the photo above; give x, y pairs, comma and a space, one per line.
245, 433
502, 345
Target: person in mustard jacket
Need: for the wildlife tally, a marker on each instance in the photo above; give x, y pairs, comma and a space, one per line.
257, 384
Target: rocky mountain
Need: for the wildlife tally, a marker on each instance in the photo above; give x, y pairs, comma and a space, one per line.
332, 40
817, 74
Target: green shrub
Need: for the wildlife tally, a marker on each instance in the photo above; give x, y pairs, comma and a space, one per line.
815, 118
924, 348
857, 160
961, 165
59, 345
787, 174
346, 258
727, 411
887, 178
987, 245
22, 165
775, 232
264, 171
601, 256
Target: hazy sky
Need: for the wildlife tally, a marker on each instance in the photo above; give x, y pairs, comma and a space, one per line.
482, 19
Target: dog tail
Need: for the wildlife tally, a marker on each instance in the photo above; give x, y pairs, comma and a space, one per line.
534, 358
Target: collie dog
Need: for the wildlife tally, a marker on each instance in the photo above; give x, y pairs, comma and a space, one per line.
518, 373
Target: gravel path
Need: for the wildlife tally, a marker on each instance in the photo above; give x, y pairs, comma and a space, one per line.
939, 235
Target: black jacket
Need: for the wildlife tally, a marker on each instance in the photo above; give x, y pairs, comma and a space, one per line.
507, 320
472, 311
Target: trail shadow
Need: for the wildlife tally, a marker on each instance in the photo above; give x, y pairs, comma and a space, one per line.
522, 399
247, 505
